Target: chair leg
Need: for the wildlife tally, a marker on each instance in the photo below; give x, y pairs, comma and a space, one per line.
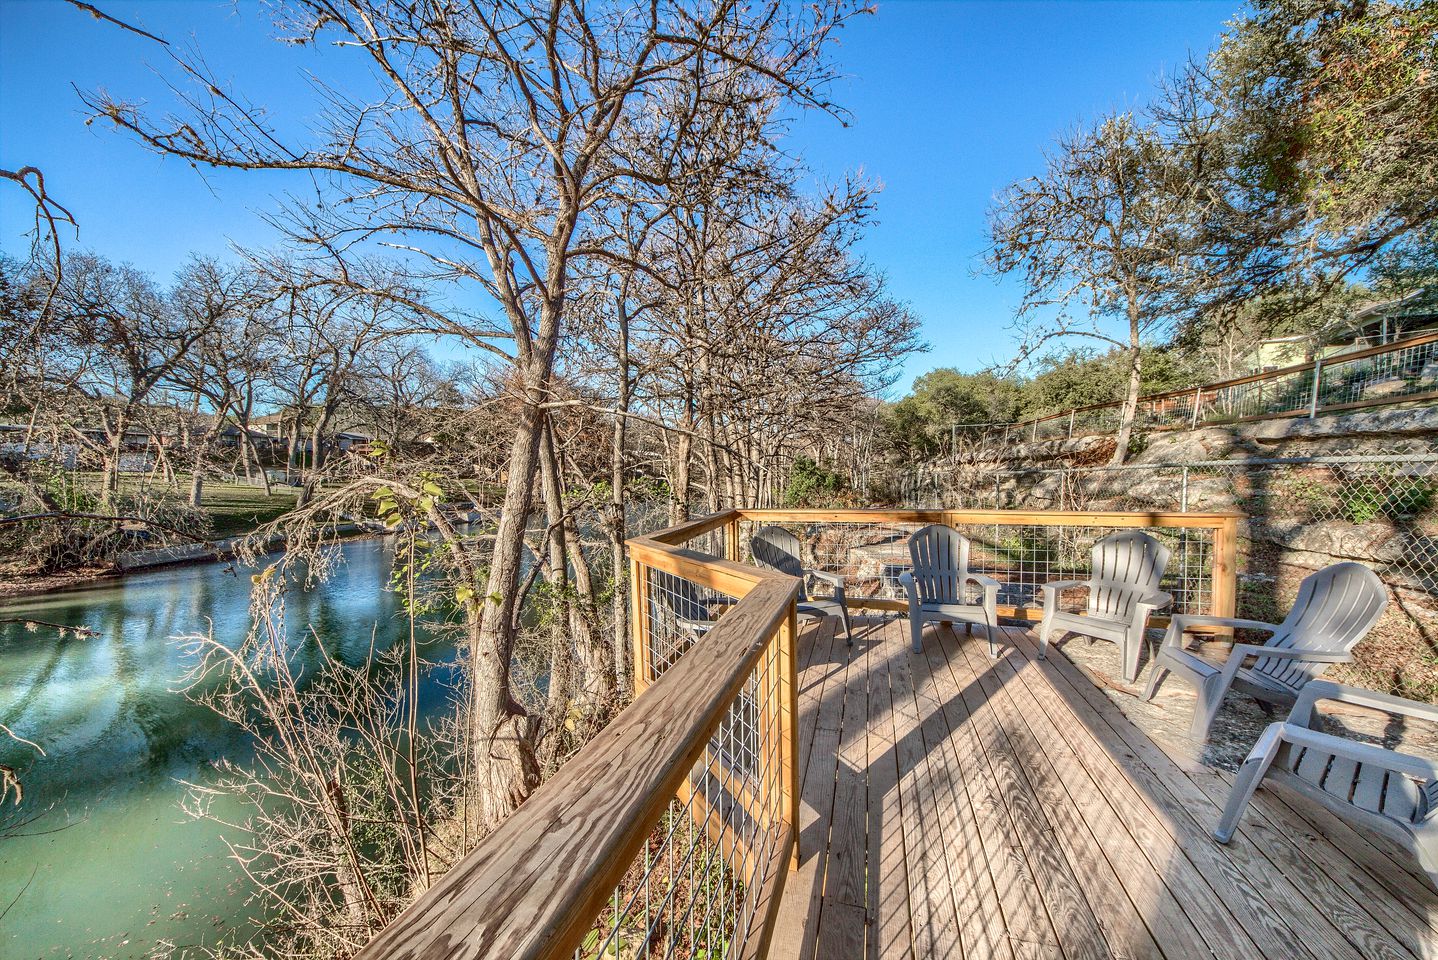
1155, 677
1044, 626
990, 628
848, 627
1131, 647
916, 632
1210, 698
1249, 776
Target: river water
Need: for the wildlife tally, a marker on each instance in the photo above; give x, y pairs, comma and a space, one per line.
110, 866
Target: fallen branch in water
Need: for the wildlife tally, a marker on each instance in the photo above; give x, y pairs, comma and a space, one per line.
31, 623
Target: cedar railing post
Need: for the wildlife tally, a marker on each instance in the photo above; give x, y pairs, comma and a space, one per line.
731, 539
639, 624
789, 721
1225, 568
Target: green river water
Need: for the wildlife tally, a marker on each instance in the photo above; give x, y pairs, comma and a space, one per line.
112, 867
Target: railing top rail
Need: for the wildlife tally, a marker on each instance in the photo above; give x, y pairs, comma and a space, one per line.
1274, 374
531, 890
1051, 518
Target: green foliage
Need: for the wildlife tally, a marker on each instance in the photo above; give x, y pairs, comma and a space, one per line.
919, 426
813, 485
1366, 500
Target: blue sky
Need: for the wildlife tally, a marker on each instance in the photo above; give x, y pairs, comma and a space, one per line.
949, 102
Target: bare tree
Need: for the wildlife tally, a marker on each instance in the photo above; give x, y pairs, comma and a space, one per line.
1104, 229
493, 139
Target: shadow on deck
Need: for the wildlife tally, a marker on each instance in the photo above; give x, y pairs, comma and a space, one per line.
957, 806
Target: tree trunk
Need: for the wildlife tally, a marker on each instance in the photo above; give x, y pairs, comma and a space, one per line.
618, 520
1135, 384
595, 686
502, 747
110, 481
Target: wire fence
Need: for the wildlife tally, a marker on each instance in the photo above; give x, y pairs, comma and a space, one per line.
1300, 514
696, 886
1382, 509
1022, 556
1399, 372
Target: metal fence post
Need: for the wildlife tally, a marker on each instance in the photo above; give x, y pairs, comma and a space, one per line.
1071, 424
1035, 432
1183, 493
1317, 379
1197, 406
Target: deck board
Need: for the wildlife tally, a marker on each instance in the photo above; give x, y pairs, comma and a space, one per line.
957, 806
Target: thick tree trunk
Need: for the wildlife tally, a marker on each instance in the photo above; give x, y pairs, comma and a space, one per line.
502, 746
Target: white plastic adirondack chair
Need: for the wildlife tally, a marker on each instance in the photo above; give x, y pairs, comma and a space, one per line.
1395, 794
778, 549
937, 587
1122, 592
1335, 608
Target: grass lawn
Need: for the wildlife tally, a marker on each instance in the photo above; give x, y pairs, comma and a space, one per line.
239, 508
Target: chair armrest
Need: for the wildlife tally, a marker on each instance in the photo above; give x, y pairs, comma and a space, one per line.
832, 579
1156, 601
1056, 585
911, 589
1180, 623
697, 627
1241, 651
1185, 620
1316, 690
1419, 768
983, 580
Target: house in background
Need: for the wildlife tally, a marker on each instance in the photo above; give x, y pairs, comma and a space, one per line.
1371, 325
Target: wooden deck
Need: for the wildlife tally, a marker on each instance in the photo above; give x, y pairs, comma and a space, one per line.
956, 806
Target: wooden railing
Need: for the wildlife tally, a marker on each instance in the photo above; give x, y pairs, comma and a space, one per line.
672, 832
1405, 371
1022, 549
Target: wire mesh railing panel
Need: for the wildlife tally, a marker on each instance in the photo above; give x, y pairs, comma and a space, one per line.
694, 889
1290, 393
710, 544
680, 612
1383, 377
1379, 510
871, 556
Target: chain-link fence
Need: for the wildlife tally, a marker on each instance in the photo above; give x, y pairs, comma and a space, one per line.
1301, 514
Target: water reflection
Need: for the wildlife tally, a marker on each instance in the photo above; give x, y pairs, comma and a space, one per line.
115, 868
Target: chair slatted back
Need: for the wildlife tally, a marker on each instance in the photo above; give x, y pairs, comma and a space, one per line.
778, 549
678, 595
1127, 566
1336, 607
940, 556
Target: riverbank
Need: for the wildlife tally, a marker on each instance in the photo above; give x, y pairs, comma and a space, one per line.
14, 586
